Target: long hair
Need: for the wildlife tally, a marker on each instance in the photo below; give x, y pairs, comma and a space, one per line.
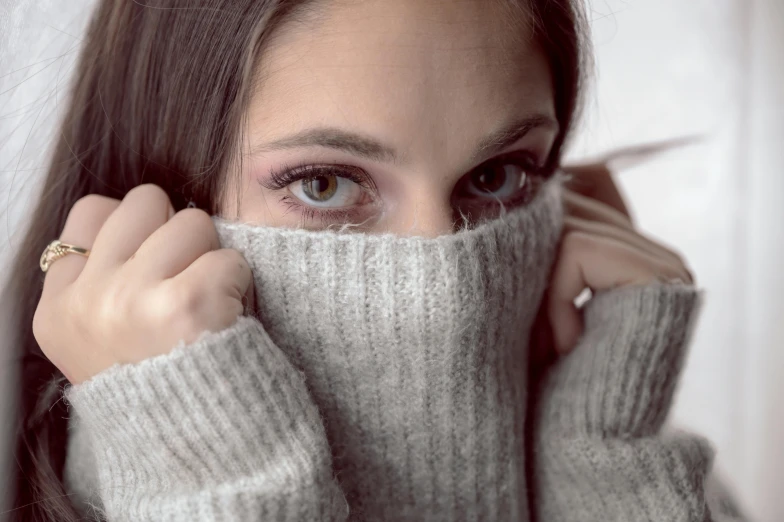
160, 95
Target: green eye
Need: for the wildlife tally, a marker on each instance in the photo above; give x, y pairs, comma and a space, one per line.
327, 190
320, 188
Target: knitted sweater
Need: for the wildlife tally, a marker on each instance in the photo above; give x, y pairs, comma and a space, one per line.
384, 378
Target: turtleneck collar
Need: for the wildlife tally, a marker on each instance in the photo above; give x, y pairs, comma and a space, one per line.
415, 351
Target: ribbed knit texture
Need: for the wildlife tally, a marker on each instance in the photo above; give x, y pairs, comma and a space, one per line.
389, 382
415, 353
602, 410
221, 430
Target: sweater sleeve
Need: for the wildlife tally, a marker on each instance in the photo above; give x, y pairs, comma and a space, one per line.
219, 429
600, 452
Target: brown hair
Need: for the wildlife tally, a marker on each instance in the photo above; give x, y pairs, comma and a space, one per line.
159, 97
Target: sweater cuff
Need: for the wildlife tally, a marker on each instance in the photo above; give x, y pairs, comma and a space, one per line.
621, 377
221, 410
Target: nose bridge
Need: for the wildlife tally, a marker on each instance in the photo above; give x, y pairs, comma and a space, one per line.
426, 210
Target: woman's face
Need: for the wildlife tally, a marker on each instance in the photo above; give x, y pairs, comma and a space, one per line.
396, 117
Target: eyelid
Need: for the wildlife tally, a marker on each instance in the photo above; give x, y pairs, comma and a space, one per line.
515, 156
286, 175
524, 158
531, 165
280, 178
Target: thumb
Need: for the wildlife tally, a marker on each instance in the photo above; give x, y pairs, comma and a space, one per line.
566, 321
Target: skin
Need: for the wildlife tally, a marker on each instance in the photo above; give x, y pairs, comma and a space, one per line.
394, 73
430, 84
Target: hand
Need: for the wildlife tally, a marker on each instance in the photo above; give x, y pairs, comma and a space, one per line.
153, 278
600, 250
594, 178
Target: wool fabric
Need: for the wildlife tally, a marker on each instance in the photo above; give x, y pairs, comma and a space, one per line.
385, 378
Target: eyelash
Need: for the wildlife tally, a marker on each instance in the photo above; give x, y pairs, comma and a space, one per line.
279, 179
539, 173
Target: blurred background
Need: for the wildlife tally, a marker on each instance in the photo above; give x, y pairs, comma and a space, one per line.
665, 69
712, 68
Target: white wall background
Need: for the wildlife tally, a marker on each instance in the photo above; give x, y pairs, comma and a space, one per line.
715, 68
666, 68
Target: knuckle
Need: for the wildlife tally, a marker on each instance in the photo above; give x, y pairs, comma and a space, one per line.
149, 192
87, 206
233, 258
202, 223
231, 262
197, 217
179, 303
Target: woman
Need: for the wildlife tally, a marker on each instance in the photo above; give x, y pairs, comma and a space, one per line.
221, 365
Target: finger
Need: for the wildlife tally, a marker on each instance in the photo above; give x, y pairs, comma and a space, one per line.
595, 181
143, 210
585, 208
591, 209
227, 271
598, 263
82, 226
631, 237
172, 248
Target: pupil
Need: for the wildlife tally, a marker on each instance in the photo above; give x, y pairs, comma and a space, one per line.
321, 183
320, 188
490, 180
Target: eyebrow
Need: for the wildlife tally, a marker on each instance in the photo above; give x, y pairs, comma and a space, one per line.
511, 133
333, 138
374, 150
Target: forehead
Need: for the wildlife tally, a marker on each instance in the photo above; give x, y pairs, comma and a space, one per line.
400, 69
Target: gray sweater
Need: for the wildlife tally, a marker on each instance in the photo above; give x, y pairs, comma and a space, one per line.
385, 378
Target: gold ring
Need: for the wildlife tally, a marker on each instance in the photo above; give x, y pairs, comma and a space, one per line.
57, 249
